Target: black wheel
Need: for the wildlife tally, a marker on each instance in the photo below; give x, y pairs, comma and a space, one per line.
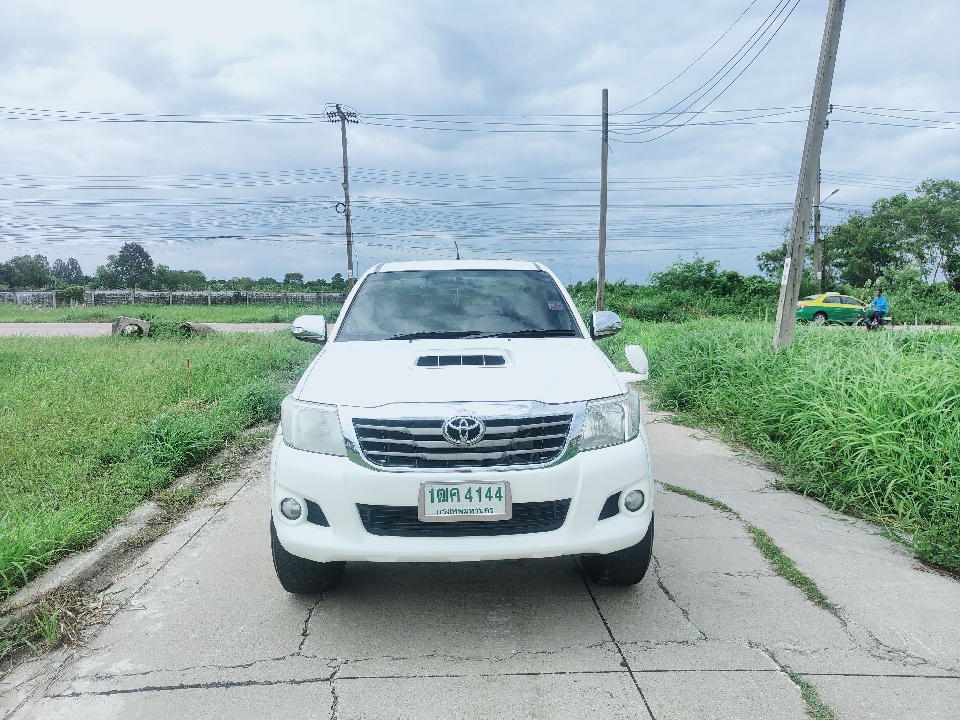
820, 318
623, 567
299, 575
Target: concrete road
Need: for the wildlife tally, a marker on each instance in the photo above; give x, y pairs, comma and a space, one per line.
96, 329
206, 631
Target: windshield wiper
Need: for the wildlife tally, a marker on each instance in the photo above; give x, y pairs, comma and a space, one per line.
437, 334
537, 333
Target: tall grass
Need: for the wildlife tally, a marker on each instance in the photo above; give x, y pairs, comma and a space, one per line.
90, 428
867, 422
11, 312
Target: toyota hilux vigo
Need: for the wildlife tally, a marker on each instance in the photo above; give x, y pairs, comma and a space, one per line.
460, 411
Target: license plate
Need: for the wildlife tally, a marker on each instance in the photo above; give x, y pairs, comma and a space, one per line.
453, 501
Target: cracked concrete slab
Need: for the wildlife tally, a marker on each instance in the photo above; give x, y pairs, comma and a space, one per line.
880, 698
310, 701
581, 695
883, 591
205, 629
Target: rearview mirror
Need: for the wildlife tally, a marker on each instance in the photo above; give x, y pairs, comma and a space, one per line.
604, 323
638, 360
310, 328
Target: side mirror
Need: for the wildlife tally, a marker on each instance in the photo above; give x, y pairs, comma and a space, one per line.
310, 328
638, 360
604, 323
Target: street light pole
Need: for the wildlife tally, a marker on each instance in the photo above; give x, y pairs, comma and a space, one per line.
819, 257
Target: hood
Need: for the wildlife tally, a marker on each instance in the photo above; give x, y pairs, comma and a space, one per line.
369, 374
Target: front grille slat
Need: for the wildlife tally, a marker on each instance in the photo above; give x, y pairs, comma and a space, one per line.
402, 521
507, 442
442, 445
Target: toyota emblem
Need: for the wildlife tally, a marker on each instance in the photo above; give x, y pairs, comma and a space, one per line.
463, 430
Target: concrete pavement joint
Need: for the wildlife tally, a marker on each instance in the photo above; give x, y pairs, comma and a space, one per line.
779, 561
623, 658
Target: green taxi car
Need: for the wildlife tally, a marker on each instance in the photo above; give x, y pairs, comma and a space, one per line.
830, 307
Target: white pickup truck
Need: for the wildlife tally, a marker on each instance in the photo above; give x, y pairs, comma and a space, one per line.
460, 411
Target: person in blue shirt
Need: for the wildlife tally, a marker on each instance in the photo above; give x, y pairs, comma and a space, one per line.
880, 307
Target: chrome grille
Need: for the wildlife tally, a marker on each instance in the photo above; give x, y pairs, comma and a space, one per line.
508, 442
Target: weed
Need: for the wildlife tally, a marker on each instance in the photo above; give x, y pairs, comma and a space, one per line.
868, 423
779, 561
90, 428
58, 618
816, 708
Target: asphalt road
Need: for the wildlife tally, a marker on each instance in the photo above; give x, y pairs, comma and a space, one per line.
206, 631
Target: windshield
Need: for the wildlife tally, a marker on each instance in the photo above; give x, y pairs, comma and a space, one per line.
457, 303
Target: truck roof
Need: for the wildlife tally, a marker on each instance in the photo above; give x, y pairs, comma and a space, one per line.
460, 265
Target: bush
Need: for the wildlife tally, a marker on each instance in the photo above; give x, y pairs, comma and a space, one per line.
73, 293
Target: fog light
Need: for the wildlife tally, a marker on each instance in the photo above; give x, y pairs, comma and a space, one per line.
291, 508
633, 501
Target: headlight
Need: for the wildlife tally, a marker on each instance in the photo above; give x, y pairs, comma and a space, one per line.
312, 427
611, 421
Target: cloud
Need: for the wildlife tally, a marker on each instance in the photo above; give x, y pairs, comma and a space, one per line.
435, 57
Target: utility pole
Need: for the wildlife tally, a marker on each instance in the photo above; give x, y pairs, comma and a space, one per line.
343, 117
602, 254
809, 167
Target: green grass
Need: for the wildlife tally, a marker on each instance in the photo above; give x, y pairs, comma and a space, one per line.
779, 561
11, 312
869, 423
90, 428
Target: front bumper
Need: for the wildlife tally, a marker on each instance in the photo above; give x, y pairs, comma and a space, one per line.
337, 485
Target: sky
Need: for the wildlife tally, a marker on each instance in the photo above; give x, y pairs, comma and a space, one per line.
198, 128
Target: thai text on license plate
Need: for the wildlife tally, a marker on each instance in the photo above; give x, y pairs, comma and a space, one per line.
452, 501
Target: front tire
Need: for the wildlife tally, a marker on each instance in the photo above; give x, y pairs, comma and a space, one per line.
623, 567
302, 576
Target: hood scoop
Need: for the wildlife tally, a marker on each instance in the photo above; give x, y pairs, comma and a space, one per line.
456, 360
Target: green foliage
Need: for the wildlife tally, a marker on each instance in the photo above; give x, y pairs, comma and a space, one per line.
167, 279
131, 267
24, 271
68, 273
93, 427
923, 231
684, 291
869, 423
74, 293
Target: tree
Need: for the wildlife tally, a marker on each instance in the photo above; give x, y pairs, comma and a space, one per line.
129, 268
68, 272
863, 248
337, 283
24, 271
771, 262
293, 278
167, 279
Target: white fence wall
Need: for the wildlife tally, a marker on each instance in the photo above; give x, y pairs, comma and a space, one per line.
51, 298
